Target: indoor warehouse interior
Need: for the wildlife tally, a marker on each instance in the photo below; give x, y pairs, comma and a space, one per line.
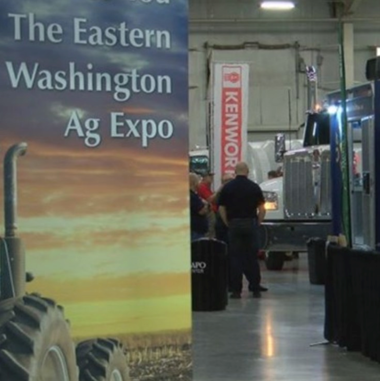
309, 99
189, 190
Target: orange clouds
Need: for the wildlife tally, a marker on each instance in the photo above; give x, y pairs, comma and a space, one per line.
125, 237
75, 182
111, 211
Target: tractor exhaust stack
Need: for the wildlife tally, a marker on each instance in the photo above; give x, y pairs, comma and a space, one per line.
12, 252
10, 187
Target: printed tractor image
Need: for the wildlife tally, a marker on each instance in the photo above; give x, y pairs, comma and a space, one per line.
35, 342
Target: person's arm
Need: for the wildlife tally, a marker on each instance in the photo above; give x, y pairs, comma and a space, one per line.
206, 194
222, 202
261, 213
197, 205
223, 214
203, 210
214, 197
202, 206
261, 208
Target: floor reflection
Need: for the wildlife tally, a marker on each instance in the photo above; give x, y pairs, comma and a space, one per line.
268, 339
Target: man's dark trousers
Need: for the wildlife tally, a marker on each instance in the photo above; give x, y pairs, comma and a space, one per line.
243, 250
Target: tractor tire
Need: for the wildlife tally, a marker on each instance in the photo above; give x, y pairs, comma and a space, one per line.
35, 342
275, 260
102, 360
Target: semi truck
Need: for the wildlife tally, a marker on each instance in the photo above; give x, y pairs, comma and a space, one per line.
299, 202
260, 158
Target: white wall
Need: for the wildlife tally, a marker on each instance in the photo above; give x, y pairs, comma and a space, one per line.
273, 65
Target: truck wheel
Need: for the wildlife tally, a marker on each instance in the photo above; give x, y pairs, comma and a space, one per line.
275, 260
35, 342
102, 360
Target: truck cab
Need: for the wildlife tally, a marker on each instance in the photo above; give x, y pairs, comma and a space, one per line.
299, 202
199, 160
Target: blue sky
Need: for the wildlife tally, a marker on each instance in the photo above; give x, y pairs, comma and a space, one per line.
117, 59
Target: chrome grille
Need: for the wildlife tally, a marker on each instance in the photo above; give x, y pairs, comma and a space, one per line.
299, 199
325, 185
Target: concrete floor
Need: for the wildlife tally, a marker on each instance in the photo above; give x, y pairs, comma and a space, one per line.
269, 339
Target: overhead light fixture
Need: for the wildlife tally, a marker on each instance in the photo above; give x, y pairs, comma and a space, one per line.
277, 5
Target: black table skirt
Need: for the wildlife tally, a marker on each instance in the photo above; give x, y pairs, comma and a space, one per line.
352, 300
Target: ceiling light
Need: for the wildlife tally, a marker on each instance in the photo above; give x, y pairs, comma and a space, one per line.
278, 5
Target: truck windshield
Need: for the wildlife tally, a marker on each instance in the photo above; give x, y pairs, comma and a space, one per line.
317, 129
199, 163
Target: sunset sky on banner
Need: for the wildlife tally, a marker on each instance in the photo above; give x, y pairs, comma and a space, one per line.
105, 227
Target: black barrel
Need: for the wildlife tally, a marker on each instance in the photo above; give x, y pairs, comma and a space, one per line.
316, 251
209, 275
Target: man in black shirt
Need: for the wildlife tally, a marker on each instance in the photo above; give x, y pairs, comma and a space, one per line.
241, 206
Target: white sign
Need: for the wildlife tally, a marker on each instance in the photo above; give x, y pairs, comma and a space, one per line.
230, 117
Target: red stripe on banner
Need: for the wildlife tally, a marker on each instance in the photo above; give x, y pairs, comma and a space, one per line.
232, 118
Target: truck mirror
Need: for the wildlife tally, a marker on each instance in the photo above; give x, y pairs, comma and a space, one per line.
279, 148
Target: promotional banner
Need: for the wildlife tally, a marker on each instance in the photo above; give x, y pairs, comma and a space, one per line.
230, 117
94, 103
